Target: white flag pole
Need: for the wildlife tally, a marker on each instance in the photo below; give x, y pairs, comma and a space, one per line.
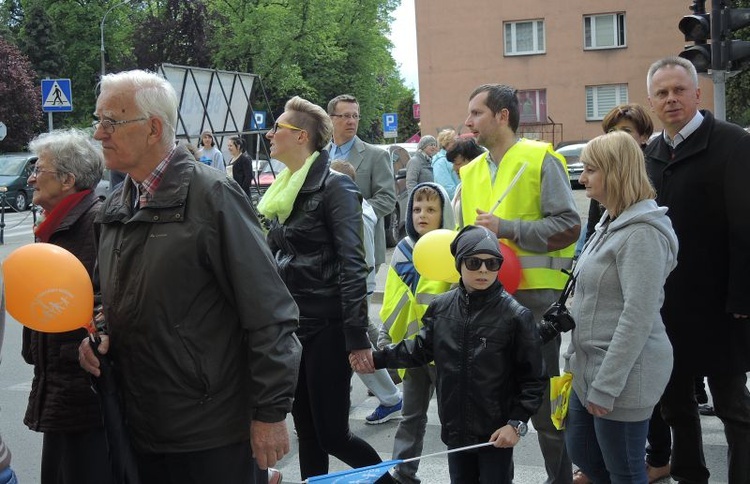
460, 449
510, 186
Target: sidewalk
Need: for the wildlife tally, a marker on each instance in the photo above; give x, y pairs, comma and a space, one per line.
529, 464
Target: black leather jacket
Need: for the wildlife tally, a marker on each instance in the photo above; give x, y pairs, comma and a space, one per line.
320, 255
488, 360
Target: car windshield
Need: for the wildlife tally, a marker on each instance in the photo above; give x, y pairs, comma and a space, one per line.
571, 153
11, 165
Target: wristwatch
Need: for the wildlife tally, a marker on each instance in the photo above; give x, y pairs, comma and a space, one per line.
521, 427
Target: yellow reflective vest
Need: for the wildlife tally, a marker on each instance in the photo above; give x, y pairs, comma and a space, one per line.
402, 308
539, 270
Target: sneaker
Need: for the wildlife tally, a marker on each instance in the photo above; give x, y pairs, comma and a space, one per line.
383, 414
274, 476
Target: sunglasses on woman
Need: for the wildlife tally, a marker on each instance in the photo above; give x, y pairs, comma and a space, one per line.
474, 263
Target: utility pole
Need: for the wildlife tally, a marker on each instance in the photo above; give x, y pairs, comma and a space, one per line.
101, 30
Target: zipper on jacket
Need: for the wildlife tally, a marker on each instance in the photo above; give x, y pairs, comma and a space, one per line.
463, 377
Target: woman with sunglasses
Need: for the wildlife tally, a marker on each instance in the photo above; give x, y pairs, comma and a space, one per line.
315, 225
619, 355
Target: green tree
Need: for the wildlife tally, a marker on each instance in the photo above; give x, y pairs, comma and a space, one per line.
21, 108
175, 32
314, 48
39, 43
738, 87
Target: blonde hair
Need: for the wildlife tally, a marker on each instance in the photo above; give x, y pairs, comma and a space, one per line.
343, 166
313, 119
623, 168
446, 137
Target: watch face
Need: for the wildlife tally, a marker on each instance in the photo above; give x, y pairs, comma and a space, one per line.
521, 427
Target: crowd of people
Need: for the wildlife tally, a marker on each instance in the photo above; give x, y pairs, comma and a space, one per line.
207, 378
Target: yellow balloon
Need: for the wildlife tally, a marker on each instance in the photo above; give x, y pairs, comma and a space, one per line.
47, 288
432, 256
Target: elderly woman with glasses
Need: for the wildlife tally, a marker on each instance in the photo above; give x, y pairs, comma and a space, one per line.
315, 234
61, 403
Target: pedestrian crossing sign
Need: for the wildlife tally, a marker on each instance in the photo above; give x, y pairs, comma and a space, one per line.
56, 95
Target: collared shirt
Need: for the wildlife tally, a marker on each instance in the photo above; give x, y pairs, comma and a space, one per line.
686, 131
342, 152
148, 187
493, 166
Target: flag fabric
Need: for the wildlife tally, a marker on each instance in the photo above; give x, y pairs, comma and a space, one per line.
370, 474
361, 475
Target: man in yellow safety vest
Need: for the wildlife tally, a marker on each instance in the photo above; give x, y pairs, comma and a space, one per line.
537, 218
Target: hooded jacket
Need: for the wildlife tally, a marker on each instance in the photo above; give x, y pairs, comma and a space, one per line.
407, 294
201, 326
619, 354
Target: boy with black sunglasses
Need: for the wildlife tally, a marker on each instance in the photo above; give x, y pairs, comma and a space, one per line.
487, 354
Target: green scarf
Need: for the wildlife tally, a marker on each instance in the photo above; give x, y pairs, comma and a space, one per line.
278, 201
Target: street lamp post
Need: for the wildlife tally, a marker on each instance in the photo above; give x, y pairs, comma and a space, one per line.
101, 30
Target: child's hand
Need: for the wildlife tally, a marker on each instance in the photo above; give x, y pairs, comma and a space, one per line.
361, 361
505, 437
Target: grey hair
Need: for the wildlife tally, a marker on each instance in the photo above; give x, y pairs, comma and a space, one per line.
153, 96
671, 62
72, 151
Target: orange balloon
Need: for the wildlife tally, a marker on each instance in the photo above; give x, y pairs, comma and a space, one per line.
47, 288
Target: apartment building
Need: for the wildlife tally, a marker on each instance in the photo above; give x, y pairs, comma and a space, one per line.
571, 60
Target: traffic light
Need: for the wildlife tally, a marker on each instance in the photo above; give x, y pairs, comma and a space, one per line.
697, 28
734, 53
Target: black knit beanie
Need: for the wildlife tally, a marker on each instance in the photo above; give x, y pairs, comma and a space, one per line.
472, 240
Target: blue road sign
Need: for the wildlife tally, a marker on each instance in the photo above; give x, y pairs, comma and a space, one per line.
56, 96
259, 120
390, 125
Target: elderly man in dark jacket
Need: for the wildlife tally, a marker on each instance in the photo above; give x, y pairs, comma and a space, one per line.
200, 324
700, 167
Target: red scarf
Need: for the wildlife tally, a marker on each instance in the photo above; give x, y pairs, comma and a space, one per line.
52, 220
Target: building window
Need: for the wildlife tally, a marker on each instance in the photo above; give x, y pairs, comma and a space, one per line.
604, 31
533, 105
524, 38
601, 99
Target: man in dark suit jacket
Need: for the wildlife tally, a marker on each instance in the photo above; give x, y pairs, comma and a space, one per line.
700, 167
373, 168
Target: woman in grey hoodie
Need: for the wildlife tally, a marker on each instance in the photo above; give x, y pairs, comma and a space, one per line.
619, 354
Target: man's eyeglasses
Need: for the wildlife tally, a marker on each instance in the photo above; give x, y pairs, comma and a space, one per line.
36, 171
108, 126
474, 263
353, 116
278, 125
